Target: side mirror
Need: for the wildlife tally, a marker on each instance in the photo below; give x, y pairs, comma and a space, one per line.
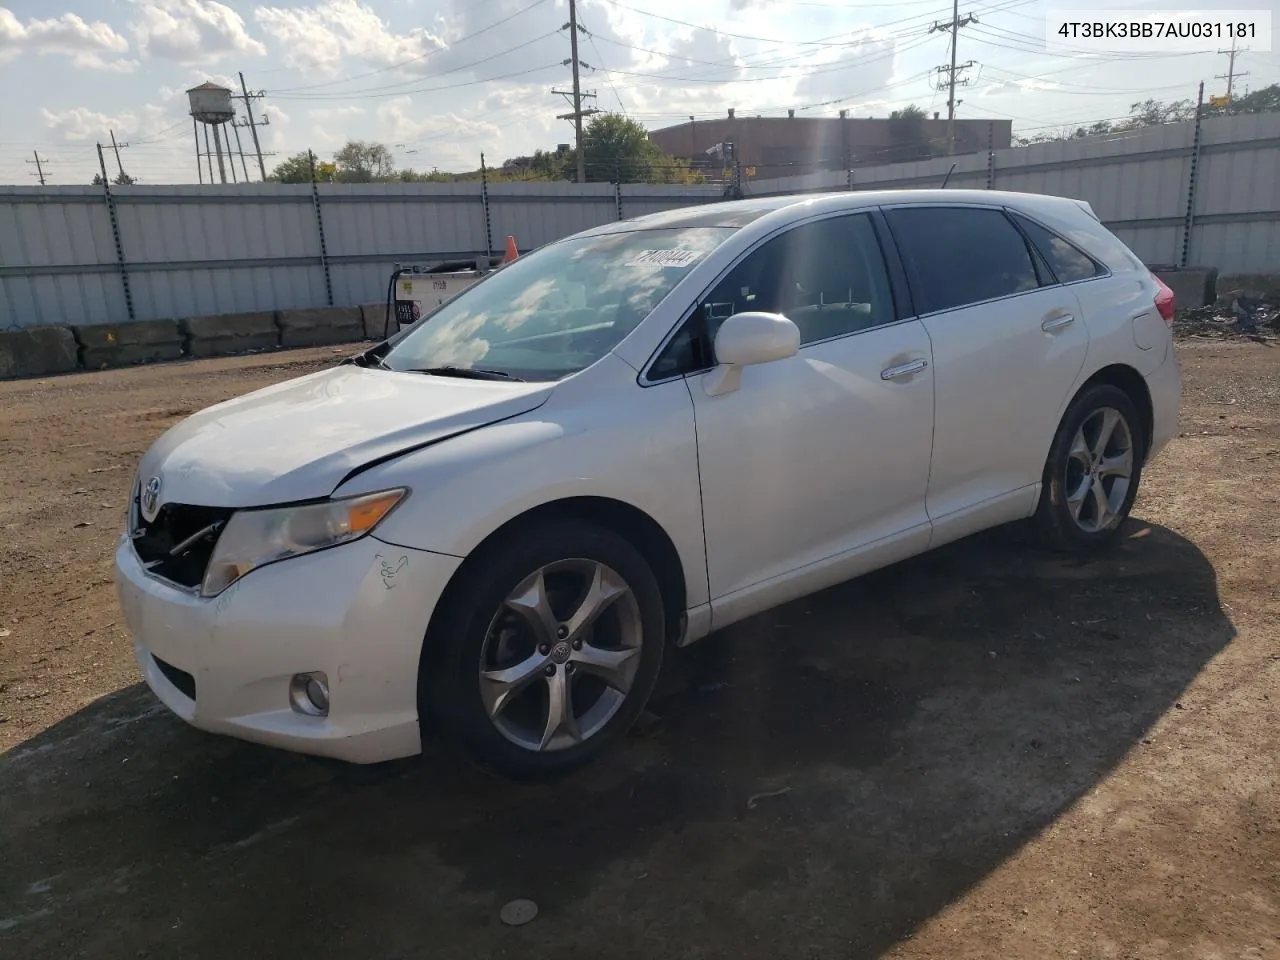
749, 338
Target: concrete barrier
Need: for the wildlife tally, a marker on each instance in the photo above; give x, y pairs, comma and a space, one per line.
320, 325
37, 351
223, 334
121, 344
375, 320
1258, 286
1191, 286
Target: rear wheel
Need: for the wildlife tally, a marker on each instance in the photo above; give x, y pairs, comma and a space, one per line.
546, 651
1092, 473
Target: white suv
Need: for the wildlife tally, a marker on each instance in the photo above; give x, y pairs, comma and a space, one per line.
488, 528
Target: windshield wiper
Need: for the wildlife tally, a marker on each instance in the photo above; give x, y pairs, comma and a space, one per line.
466, 373
367, 359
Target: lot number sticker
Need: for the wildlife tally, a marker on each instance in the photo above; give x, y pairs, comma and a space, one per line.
665, 258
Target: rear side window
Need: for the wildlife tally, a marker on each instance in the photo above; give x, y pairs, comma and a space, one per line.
1068, 262
962, 255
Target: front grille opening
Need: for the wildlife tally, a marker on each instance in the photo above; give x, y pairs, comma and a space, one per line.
184, 681
174, 524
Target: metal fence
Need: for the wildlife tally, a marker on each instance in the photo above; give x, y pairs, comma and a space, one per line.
1180, 194
1205, 194
86, 255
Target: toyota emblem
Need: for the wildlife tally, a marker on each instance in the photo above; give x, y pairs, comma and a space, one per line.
151, 499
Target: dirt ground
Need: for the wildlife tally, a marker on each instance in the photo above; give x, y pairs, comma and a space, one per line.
982, 753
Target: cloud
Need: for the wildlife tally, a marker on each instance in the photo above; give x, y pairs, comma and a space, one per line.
334, 113
191, 32
861, 71
88, 44
81, 123
401, 122
319, 38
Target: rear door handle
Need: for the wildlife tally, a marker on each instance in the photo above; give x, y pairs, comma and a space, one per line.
1057, 323
903, 369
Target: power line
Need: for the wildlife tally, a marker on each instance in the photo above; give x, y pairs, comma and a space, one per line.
396, 89
600, 57
417, 59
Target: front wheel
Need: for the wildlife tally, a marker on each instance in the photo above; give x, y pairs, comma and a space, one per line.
545, 652
1092, 473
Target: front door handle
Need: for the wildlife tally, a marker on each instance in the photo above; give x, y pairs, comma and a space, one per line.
903, 369
1057, 323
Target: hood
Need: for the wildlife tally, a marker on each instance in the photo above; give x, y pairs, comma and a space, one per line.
297, 440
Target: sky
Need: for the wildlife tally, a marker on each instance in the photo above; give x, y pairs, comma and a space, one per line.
440, 81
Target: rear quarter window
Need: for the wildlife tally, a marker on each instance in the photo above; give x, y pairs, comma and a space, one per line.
1067, 261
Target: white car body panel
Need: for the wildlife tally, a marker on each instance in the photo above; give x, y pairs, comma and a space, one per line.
776, 498
297, 440
984, 445
363, 628
556, 453
812, 471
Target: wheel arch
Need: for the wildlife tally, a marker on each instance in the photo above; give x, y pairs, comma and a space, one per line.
626, 520
1126, 378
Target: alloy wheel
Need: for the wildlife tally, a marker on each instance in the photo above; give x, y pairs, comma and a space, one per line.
1099, 470
560, 655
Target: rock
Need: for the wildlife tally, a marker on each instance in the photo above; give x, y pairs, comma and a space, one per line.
518, 912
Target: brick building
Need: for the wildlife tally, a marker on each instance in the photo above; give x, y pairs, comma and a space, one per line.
786, 146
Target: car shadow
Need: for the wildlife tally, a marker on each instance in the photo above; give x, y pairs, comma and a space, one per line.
819, 779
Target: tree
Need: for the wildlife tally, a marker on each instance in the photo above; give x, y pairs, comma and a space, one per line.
362, 161
1264, 100
906, 130
297, 169
1149, 113
122, 179
616, 146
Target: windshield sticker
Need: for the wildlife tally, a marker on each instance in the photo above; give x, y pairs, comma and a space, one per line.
665, 258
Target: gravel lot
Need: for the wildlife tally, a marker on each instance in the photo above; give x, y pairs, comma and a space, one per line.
986, 752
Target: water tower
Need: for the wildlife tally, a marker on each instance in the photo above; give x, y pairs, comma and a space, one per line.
211, 106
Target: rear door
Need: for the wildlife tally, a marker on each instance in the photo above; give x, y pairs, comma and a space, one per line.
1008, 342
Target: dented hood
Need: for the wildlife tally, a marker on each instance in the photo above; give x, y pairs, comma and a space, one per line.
297, 440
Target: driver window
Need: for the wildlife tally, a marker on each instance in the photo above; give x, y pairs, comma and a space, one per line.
827, 277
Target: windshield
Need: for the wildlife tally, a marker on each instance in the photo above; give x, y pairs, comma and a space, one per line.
559, 309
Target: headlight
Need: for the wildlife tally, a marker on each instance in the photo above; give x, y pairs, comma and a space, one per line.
254, 538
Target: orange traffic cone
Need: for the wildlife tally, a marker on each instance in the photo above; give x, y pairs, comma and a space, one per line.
512, 253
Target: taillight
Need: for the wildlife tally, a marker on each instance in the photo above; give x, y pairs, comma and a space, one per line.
1164, 300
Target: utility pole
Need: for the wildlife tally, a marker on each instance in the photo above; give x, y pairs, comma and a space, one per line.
577, 94
217, 146
1230, 75
208, 153
195, 132
248, 99
952, 71
116, 147
39, 174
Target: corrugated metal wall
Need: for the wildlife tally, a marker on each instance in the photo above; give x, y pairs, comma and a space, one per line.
198, 250
1136, 182
195, 250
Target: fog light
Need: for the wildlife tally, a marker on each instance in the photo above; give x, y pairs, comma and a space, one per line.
309, 694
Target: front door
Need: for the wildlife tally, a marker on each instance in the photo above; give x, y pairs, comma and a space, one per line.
826, 452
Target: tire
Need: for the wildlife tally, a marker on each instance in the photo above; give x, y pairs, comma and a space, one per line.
495, 664
1072, 516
